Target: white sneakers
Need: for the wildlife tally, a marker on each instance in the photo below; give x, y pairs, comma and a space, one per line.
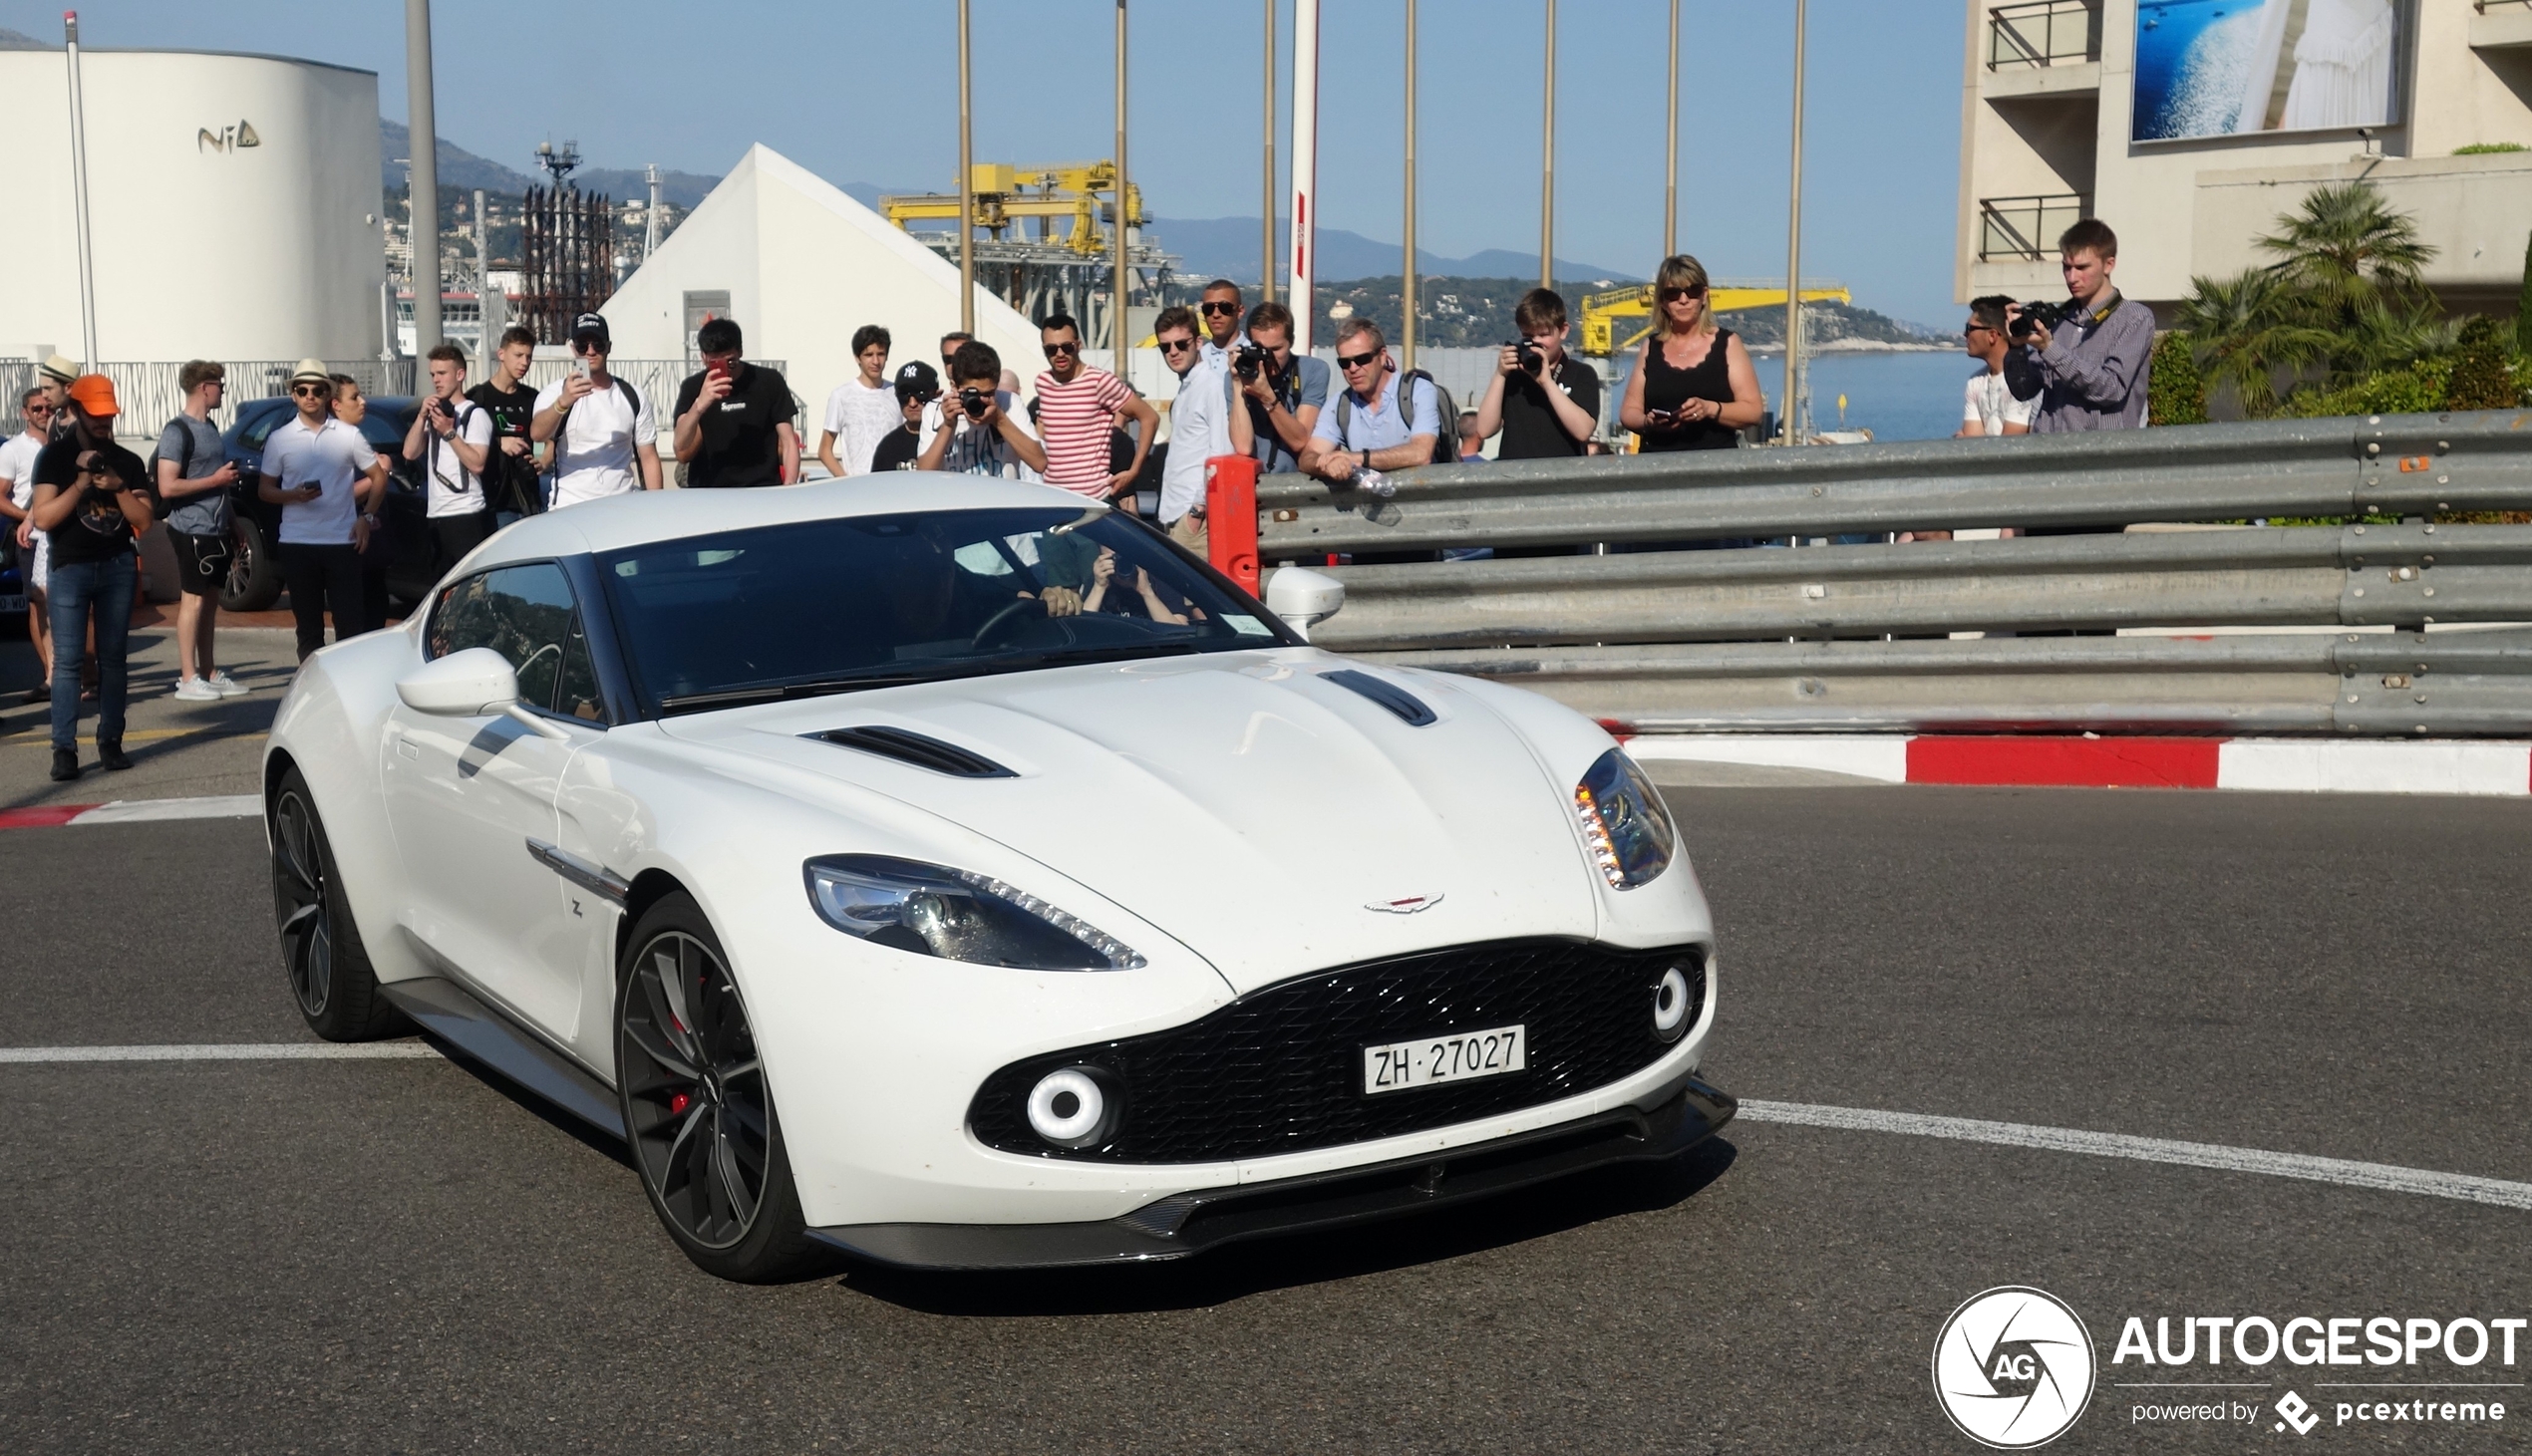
213, 689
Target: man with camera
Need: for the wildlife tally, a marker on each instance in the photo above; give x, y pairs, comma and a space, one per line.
984, 430
1285, 393
193, 477
1206, 419
604, 442
1077, 408
1545, 401
452, 436
733, 418
91, 499
2084, 359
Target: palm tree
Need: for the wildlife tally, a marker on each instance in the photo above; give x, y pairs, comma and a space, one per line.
2245, 331
2351, 252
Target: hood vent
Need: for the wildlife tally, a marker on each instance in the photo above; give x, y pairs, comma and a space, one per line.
1411, 709
912, 747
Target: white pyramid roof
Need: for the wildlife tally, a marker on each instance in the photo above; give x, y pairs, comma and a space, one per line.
805, 266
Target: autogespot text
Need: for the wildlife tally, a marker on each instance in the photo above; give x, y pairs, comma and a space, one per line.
2436, 1361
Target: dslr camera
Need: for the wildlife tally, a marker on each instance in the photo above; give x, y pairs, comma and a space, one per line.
974, 401
1250, 360
1527, 354
2048, 315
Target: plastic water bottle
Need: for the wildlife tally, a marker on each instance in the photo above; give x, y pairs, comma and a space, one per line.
1376, 483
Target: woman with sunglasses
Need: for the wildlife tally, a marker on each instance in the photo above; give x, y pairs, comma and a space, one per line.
17, 499
1693, 386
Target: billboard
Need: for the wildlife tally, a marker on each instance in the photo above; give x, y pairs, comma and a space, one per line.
2223, 68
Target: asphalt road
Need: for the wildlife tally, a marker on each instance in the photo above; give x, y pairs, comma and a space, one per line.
398, 1256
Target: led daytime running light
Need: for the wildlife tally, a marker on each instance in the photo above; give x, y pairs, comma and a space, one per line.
1595, 834
1120, 955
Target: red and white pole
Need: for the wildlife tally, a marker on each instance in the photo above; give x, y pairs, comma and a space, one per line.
1305, 168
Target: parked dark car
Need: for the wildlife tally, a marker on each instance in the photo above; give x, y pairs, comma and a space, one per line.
254, 579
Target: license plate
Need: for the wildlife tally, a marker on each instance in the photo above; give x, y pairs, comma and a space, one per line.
1454, 1057
12, 604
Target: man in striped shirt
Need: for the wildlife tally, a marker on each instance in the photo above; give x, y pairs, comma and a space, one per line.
1077, 408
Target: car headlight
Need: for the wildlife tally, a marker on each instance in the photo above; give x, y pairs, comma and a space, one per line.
1623, 821
957, 915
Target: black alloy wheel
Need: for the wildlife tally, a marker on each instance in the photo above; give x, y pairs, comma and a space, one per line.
698, 1112
321, 950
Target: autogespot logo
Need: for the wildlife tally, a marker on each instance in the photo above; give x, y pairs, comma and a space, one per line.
2014, 1367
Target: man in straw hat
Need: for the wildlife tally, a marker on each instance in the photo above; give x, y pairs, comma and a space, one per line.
54, 377
93, 496
327, 481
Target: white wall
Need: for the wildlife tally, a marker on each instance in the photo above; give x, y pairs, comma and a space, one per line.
292, 261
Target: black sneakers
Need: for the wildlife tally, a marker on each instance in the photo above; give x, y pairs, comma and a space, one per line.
64, 765
110, 752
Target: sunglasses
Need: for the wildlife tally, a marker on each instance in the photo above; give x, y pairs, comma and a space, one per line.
38, 407
311, 390
1978, 329
1217, 306
1668, 294
1053, 349
1173, 346
1358, 361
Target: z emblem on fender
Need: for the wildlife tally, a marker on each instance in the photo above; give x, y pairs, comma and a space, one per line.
1408, 906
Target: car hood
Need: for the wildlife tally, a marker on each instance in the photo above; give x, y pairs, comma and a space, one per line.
1272, 820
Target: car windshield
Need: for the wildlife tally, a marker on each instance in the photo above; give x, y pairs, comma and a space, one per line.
831, 606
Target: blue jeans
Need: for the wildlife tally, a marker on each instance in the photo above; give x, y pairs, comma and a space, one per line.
74, 590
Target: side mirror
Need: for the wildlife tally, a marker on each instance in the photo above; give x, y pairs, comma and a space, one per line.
1302, 597
476, 683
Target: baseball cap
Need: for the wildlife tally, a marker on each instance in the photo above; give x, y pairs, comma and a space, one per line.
94, 394
917, 379
590, 325
313, 370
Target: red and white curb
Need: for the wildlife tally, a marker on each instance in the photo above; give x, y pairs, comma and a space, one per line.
2434, 765
132, 811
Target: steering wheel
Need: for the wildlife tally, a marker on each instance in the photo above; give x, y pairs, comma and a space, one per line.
994, 623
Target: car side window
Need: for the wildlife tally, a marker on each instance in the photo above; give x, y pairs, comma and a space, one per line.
527, 615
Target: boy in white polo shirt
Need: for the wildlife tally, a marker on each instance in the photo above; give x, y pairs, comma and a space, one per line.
328, 483
605, 442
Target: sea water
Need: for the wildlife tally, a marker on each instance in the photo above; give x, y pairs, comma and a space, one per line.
1912, 396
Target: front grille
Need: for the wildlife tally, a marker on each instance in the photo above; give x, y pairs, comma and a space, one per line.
1280, 1071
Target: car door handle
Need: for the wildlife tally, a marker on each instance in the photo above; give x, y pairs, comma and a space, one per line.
612, 888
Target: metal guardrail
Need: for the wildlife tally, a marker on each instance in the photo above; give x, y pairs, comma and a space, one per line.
1662, 637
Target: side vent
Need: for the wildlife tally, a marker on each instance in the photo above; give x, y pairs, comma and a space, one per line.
1411, 709
912, 747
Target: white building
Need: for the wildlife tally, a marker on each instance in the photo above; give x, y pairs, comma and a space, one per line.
233, 202
2189, 125
801, 265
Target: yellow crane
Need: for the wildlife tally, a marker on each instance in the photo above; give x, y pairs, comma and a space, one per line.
1070, 190
1606, 313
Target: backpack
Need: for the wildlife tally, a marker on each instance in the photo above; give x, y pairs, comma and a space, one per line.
632, 401
1446, 440
159, 506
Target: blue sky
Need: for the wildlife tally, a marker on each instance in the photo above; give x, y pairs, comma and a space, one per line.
867, 92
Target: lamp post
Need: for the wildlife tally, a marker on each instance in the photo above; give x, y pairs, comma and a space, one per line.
79, 187
1266, 223
422, 176
1793, 246
1125, 279
1406, 290
1305, 166
1671, 138
966, 187
1547, 165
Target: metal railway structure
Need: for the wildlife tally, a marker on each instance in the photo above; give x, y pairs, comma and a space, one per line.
566, 249
2162, 599
1068, 266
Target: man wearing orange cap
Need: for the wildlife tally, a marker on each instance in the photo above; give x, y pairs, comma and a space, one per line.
92, 496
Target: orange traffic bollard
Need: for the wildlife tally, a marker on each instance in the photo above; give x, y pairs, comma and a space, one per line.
1230, 517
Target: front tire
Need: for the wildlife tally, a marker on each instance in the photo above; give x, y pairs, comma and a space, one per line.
321, 952
254, 580
698, 1113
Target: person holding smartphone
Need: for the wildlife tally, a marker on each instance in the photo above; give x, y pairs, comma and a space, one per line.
91, 499
327, 481
733, 418
1693, 386
452, 437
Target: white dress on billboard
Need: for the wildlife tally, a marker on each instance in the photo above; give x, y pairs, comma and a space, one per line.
2342, 65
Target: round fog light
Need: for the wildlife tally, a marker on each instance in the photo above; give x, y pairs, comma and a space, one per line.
1068, 1108
1670, 1006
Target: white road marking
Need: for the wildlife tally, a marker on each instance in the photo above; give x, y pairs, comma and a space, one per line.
228, 1051
216, 806
2386, 1177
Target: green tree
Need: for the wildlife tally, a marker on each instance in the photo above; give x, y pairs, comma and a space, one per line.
2175, 394
2523, 305
2248, 330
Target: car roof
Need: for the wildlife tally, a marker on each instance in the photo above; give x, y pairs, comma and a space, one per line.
640, 518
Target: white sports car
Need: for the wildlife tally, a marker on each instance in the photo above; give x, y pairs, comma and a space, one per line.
943, 871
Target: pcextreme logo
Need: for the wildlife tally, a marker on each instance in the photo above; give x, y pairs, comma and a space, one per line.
2014, 1367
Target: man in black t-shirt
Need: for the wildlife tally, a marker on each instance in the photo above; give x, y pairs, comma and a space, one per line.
91, 499
1545, 401
918, 387
510, 478
734, 419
